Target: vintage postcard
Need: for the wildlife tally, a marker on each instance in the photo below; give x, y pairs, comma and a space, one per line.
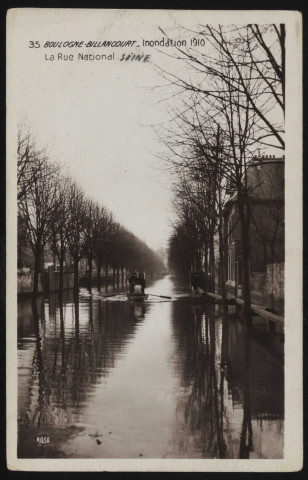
154, 240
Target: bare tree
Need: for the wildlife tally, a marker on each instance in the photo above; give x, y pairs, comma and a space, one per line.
103, 242
37, 207
58, 225
202, 171
256, 56
114, 250
92, 225
31, 163
53, 210
236, 84
76, 235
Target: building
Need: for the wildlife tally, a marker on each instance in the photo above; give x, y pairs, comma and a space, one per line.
265, 179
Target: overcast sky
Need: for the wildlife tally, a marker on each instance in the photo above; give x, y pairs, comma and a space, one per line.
95, 116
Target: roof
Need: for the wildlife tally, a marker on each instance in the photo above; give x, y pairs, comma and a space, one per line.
261, 160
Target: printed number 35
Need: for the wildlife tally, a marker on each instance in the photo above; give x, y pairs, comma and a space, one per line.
34, 44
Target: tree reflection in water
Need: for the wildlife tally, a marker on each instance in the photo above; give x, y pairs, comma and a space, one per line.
227, 395
74, 350
246, 434
40, 413
221, 366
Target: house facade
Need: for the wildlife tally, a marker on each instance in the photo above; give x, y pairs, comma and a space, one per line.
265, 178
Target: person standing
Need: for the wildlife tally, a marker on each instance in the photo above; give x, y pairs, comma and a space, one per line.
197, 281
133, 281
141, 281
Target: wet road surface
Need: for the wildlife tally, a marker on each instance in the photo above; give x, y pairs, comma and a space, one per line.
109, 378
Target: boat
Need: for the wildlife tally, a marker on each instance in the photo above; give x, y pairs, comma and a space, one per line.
137, 297
197, 296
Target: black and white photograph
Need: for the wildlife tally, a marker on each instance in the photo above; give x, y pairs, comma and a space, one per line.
154, 189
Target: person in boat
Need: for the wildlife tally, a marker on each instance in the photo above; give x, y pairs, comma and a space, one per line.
133, 281
137, 289
197, 281
141, 280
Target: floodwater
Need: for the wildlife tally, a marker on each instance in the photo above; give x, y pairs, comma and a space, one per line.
109, 378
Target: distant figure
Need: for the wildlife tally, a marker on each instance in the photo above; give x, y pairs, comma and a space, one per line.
133, 281
201, 283
197, 281
141, 281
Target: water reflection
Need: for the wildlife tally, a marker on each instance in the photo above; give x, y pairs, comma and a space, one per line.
156, 379
232, 404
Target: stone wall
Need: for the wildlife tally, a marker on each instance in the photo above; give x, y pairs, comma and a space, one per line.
258, 288
267, 288
54, 277
25, 281
275, 286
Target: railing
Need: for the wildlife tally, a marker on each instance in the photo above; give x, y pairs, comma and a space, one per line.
53, 280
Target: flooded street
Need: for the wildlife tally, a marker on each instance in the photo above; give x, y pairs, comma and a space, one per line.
109, 378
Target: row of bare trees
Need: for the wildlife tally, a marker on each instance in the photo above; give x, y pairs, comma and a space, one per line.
56, 214
227, 103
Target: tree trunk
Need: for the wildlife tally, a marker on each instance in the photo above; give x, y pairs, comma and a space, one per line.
76, 275
113, 277
272, 247
118, 278
61, 261
37, 263
244, 220
76, 316
99, 266
90, 274
106, 276
62, 335
225, 340
206, 268
212, 264
222, 263
122, 276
